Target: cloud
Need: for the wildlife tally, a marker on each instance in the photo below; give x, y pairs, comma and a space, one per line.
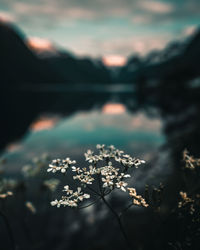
141, 19
189, 30
106, 27
7, 17
53, 10
156, 6
126, 46
90, 9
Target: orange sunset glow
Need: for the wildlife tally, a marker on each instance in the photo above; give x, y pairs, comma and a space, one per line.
40, 44
114, 60
113, 108
43, 124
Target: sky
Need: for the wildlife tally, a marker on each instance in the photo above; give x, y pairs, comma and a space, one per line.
104, 28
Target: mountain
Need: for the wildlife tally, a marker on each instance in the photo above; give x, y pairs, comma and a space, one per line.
20, 64
82, 70
177, 61
22, 74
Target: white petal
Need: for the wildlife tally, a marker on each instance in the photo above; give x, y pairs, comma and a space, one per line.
127, 175
123, 189
105, 184
53, 203
86, 196
66, 188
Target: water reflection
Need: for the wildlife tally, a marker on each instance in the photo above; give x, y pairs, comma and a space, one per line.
112, 124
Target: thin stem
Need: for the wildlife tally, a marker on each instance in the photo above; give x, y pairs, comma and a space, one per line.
100, 188
125, 209
10, 233
119, 222
92, 203
91, 189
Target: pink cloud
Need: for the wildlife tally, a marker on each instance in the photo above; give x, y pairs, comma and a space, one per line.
156, 7
7, 17
189, 30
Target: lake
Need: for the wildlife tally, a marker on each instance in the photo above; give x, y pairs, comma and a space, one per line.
106, 117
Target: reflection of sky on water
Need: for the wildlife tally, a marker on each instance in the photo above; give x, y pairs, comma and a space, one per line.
135, 133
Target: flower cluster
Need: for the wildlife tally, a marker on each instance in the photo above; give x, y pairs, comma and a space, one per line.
111, 153
60, 165
102, 170
137, 199
70, 198
186, 201
190, 161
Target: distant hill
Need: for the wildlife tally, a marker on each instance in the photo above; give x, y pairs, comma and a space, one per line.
82, 70
177, 61
19, 64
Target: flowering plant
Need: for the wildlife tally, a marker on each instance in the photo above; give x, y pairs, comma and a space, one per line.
108, 170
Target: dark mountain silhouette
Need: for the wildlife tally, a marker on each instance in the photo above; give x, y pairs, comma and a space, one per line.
20, 67
178, 60
19, 64
82, 70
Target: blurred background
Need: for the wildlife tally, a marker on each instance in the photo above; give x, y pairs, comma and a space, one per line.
75, 73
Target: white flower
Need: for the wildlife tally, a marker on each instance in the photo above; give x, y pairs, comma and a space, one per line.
64, 169
123, 175
108, 182
111, 147
127, 162
87, 179
126, 156
92, 170
56, 203
53, 168
101, 147
60, 165
86, 196
67, 190
77, 170
68, 161
121, 185
138, 162
70, 203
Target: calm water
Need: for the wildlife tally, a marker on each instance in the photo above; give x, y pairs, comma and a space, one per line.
135, 133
